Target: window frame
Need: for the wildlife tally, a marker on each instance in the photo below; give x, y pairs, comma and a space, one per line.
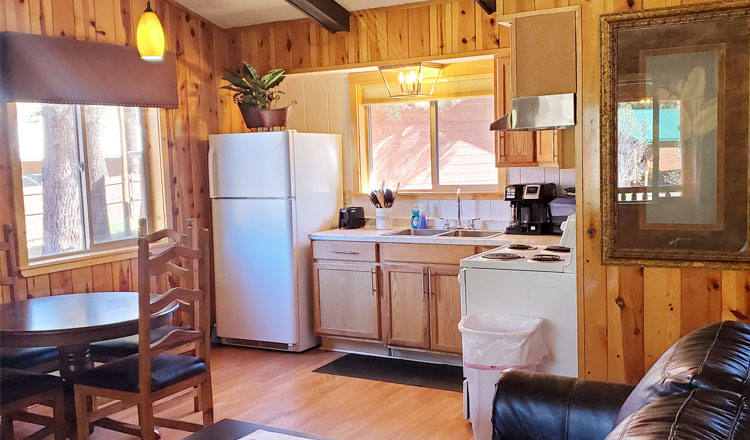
153, 123
434, 152
361, 82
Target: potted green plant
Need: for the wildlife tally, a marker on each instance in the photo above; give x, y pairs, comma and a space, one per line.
253, 95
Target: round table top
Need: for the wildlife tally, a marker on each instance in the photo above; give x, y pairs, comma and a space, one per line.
74, 319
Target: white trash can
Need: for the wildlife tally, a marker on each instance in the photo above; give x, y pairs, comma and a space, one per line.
493, 342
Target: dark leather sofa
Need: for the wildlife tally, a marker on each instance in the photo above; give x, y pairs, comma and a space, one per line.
698, 390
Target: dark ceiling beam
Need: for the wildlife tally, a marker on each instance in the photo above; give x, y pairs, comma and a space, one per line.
328, 13
489, 6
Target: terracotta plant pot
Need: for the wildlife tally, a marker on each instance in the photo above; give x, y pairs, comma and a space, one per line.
276, 117
251, 115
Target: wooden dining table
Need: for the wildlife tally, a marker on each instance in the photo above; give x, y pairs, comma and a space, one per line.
71, 323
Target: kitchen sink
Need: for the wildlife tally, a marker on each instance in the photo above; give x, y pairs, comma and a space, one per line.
470, 233
418, 232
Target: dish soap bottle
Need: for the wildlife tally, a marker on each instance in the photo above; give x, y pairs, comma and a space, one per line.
415, 217
422, 221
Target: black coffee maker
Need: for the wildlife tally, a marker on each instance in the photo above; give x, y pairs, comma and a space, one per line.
529, 208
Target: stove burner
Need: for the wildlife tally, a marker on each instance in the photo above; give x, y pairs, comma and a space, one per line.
501, 256
521, 247
557, 249
546, 257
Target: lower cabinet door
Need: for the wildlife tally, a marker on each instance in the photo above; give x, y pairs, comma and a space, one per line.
346, 300
406, 308
445, 309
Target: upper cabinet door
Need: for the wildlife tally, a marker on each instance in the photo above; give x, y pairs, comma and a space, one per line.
513, 148
543, 49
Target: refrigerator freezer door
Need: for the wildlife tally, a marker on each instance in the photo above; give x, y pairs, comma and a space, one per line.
254, 269
250, 165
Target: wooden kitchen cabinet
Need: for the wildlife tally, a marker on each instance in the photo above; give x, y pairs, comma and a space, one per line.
423, 307
406, 310
525, 148
422, 295
445, 309
512, 148
346, 300
543, 52
547, 147
538, 65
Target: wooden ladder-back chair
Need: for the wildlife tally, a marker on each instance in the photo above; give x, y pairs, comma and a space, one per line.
156, 373
113, 349
38, 359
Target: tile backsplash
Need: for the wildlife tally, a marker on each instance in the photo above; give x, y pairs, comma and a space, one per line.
493, 213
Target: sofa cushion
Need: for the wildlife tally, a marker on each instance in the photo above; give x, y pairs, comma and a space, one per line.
531, 405
697, 415
17, 384
716, 356
122, 374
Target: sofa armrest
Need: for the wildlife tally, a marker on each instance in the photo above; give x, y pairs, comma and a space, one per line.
541, 406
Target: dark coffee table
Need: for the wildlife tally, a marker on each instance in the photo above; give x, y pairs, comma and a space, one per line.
228, 429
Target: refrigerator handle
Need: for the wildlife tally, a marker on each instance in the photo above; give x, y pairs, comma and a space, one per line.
211, 172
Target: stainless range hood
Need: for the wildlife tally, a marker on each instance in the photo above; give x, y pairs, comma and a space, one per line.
530, 113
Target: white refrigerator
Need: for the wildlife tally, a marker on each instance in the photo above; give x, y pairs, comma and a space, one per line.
268, 192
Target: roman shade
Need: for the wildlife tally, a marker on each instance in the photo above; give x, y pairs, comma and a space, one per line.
36, 68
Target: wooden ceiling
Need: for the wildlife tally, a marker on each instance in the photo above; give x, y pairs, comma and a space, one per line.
236, 13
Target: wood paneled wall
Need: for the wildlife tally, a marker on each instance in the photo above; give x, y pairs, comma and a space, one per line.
414, 30
201, 49
628, 316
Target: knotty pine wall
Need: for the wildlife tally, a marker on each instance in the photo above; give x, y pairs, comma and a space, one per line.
628, 316
201, 55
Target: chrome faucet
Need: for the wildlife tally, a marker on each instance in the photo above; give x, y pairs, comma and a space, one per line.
458, 202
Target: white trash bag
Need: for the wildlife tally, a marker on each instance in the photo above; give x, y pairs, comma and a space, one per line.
493, 342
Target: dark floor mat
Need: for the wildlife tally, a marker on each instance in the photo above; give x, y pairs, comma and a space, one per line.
420, 374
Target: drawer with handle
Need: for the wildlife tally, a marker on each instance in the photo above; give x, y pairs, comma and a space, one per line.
344, 250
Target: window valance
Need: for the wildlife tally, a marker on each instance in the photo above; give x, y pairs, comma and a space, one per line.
37, 68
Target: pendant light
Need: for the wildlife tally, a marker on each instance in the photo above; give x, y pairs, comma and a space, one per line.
411, 80
150, 36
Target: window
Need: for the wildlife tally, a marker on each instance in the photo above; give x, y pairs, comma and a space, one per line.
83, 175
649, 166
433, 145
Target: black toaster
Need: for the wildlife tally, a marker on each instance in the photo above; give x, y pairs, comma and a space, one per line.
352, 218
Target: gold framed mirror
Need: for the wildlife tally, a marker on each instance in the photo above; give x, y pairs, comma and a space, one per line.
675, 136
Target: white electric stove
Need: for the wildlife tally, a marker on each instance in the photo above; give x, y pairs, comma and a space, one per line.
531, 280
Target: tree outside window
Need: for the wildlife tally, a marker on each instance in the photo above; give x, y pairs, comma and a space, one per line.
83, 176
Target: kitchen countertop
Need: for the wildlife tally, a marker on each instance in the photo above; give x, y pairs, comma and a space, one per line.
378, 236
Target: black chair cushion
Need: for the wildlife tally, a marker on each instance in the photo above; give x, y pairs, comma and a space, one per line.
122, 374
698, 415
18, 384
716, 356
25, 358
126, 346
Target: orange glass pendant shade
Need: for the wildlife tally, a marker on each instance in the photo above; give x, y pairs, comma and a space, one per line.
150, 36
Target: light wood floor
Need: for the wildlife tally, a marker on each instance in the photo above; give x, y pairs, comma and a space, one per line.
280, 390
